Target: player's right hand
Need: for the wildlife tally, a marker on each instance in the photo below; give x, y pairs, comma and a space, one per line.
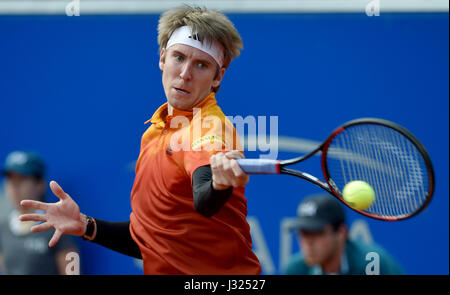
64, 216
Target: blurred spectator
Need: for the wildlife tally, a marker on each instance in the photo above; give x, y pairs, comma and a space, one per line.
326, 248
23, 252
5, 204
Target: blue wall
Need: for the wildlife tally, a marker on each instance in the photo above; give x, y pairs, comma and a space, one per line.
78, 90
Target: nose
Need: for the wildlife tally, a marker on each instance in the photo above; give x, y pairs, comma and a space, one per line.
186, 71
308, 239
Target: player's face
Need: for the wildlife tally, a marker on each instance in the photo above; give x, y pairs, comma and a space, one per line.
188, 75
319, 247
19, 187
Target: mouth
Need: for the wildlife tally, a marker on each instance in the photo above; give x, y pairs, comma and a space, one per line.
182, 91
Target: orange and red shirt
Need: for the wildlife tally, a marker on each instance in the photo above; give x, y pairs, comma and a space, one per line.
172, 236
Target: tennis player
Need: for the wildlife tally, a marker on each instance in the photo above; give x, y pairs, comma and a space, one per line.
188, 206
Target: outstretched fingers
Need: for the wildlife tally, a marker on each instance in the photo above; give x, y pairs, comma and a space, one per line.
33, 217
57, 190
41, 227
56, 236
35, 204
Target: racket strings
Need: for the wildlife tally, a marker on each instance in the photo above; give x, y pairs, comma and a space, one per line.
386, 160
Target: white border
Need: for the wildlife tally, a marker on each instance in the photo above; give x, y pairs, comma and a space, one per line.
227, 6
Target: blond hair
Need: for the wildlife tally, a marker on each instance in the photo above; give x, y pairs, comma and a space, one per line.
209, 24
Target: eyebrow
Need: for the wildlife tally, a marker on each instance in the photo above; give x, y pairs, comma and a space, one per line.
198, 59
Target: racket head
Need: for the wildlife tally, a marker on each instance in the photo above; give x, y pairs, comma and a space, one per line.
389, 158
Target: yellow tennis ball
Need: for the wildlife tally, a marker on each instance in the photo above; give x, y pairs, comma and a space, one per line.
358, 194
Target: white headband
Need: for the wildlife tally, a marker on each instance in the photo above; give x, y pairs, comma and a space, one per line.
183, 35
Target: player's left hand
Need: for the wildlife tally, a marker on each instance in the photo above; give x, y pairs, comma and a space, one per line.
226, 171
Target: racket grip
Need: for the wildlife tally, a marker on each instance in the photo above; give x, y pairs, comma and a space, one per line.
259, 166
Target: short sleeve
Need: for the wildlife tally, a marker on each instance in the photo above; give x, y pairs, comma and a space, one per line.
217, 134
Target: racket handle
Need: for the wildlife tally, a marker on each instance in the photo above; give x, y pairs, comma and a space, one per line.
259, 166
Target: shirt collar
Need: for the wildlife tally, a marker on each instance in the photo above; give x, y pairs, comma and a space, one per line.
344, 268
161, 114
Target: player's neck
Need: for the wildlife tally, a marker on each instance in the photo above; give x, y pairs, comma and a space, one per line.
333, 264
169, 109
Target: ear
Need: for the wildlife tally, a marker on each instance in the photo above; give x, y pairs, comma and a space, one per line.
343, 232
161, 59
219, 78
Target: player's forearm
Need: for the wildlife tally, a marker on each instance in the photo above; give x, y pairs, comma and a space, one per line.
116, 236
207, 200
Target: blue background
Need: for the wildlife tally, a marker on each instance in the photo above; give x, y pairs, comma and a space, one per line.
78, 90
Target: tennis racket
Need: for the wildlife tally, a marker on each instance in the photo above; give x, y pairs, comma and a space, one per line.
379, 152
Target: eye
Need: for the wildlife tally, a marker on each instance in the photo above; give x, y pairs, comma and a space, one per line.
202, 65
179, 58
